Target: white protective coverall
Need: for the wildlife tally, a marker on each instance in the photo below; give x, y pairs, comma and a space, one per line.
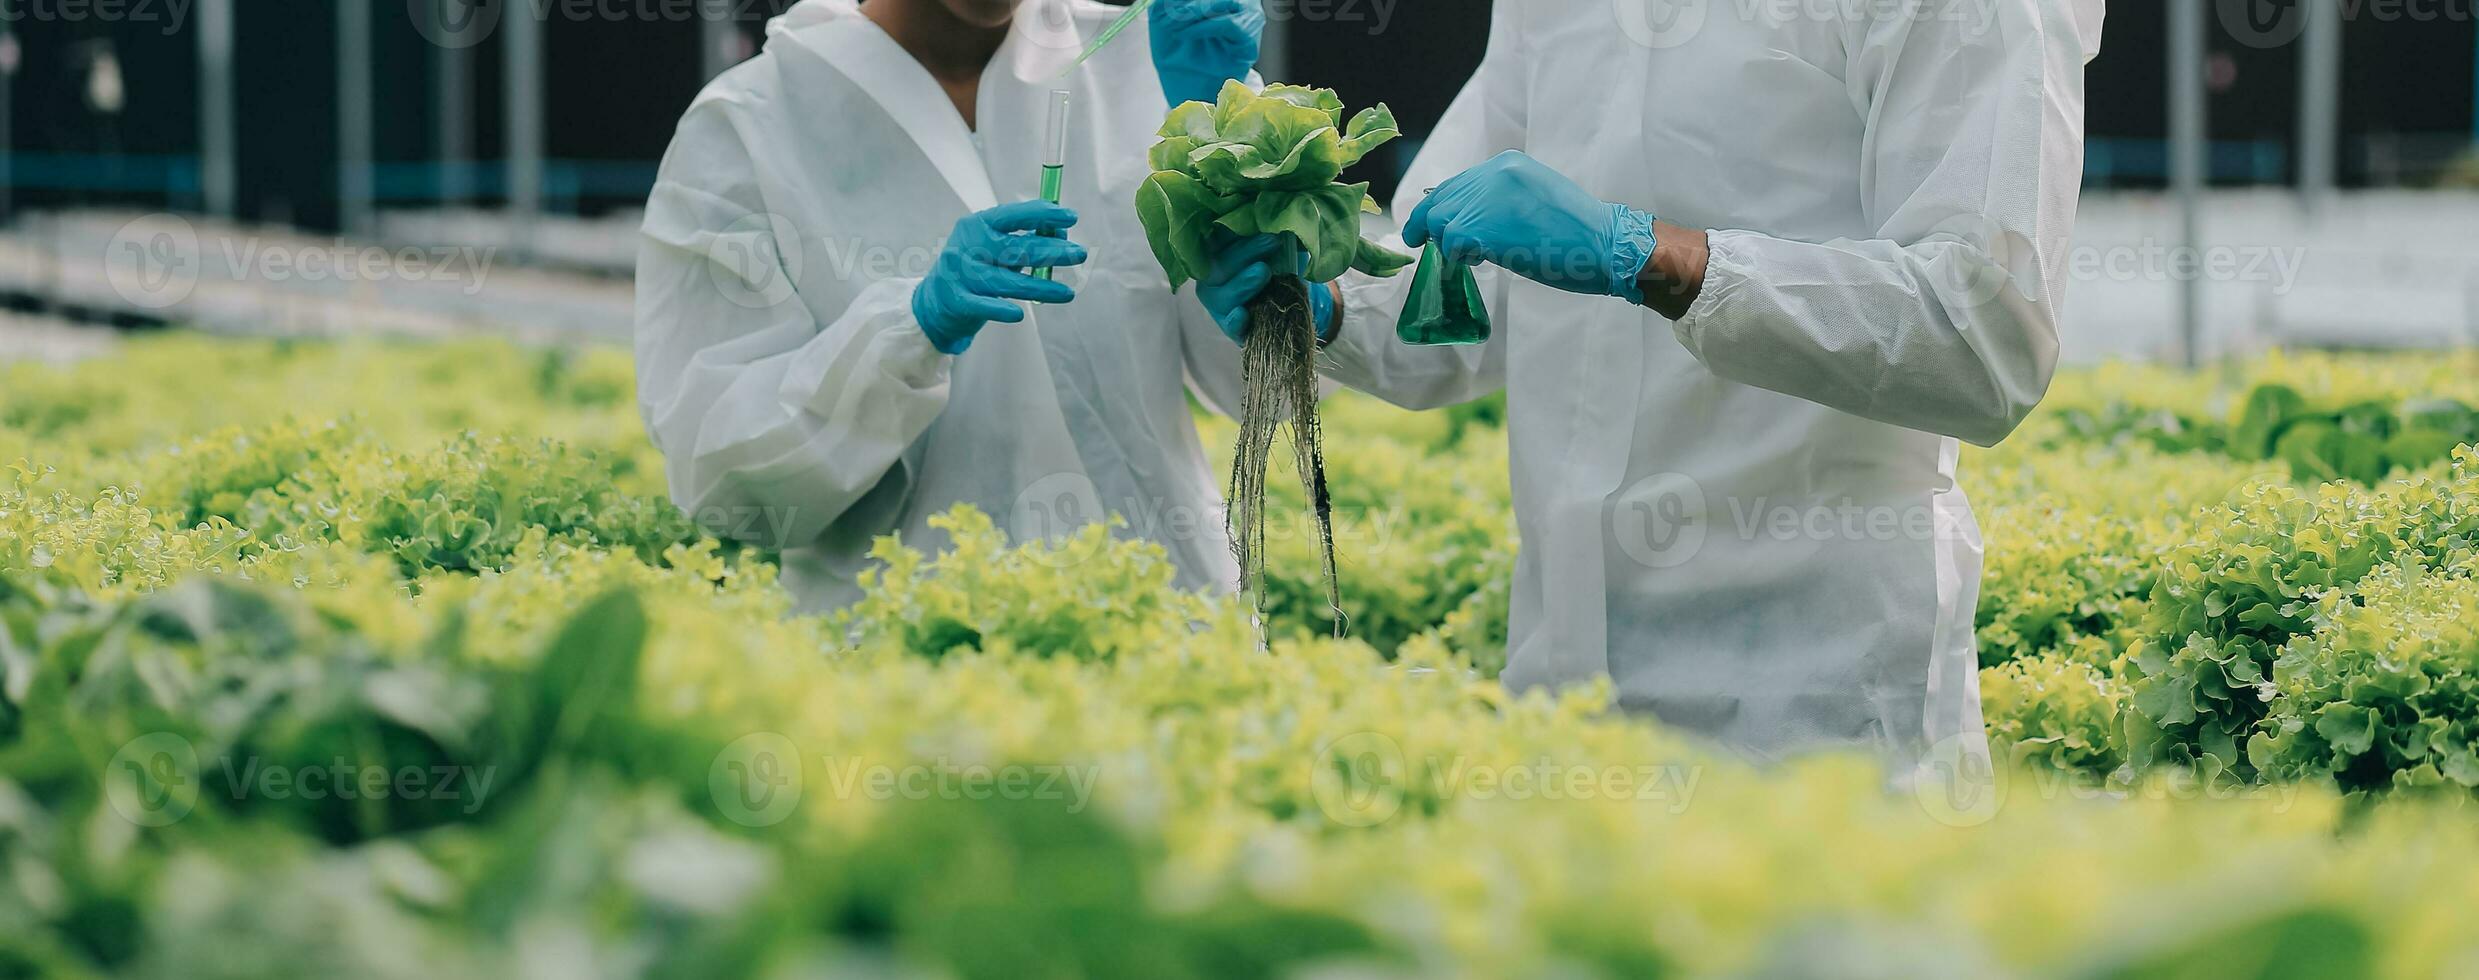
794, 398
1748, 518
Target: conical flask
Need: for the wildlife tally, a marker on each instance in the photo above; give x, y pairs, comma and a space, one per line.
1445, 305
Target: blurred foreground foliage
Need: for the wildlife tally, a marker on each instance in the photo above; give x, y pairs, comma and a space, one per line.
528, 720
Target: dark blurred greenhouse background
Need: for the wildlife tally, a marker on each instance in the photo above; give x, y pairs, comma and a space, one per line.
2324, 163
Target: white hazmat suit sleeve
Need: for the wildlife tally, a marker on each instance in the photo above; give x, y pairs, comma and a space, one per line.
1486, 118
770, 421
1366, 355
1946, 320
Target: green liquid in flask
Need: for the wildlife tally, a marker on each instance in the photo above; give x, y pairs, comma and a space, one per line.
1445, 306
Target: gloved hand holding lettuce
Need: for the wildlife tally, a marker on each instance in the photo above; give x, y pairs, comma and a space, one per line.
1242, 269
1263, 164
1263, 170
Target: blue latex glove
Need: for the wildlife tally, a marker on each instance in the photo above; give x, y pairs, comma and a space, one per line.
1518, 213
1242, 268
980, 271
1200, 44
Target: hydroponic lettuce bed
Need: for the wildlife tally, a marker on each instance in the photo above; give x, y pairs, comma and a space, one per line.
390, 660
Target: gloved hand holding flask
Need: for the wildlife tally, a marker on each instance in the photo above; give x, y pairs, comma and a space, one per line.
1517, 213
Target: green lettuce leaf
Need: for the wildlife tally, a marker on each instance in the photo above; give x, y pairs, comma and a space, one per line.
1178, 213
1175, 153
1256, 163
1240, 168
1378, 260
1372, 128
1321, 99
1194, 120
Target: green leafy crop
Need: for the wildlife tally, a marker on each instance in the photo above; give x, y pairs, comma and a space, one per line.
1268, 163
441, 563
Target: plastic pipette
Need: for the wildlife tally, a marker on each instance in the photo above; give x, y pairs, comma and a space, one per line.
1109, 34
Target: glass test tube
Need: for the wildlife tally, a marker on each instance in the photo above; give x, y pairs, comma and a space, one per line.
1054, 155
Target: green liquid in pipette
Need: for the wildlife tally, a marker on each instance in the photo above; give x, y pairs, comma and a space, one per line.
1109, 34
1052, 180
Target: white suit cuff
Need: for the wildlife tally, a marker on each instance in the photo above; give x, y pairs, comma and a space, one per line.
1725, 270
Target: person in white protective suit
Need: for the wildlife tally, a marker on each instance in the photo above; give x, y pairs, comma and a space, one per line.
835, 335
1734, 450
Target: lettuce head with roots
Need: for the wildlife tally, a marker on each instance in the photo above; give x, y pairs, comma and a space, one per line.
1257, 163
1270, 163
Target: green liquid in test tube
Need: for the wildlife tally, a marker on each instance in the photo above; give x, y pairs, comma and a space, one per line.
1054, 156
